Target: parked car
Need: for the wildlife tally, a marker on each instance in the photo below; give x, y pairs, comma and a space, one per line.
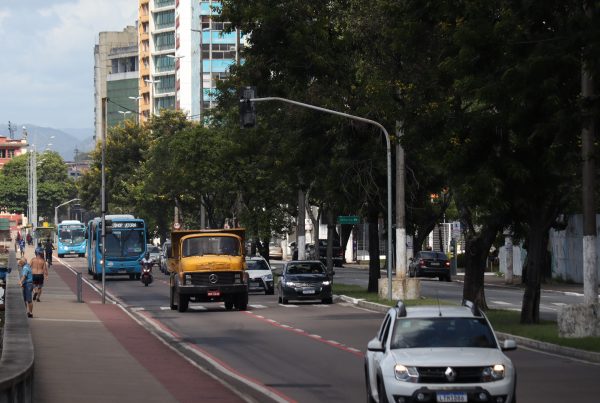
438, 354
275, 251
430, 264
260, 275
165, 253
304, 280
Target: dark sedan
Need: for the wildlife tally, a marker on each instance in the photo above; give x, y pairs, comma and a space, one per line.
305, 280
430, 264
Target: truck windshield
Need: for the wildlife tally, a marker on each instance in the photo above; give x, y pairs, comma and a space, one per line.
217, 245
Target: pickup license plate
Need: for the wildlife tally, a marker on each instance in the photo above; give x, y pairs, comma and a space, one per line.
451, 397
214, 293
308, 291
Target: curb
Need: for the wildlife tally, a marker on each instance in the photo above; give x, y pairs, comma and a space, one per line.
569, 352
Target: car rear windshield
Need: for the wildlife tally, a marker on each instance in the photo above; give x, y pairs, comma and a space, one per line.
442, 332
306, 268
257, 265
433, 255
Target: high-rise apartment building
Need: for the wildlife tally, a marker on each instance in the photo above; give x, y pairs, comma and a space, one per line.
183, 54
103, 67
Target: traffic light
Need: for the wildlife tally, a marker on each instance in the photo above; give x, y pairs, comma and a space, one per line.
247, 108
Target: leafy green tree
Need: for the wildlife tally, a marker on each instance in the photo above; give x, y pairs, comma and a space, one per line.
54, 184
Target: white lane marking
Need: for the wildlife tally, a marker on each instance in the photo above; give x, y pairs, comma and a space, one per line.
354, 349
501, 303
138, 308
573, 294
322, 305
288, 306
165, 308
315, 336
559, 304
198, 308
548, 307
257, 306
285, 326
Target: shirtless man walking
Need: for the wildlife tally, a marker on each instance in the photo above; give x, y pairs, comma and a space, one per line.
39, 268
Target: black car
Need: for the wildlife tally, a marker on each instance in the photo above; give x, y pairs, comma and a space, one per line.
303, 280
430, 264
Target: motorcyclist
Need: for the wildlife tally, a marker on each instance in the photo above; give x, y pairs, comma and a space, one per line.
147, 261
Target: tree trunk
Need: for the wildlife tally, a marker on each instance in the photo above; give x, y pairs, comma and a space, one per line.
476, 248
537, 242
330, 237
374, 269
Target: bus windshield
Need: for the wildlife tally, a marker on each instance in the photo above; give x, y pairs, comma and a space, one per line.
124, 243
71, 236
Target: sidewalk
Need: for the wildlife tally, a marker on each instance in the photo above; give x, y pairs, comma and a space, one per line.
95, 352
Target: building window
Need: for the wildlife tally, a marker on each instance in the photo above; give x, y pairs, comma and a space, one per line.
163, 3
11, 153
165, 19
166, 84
164, 41
164, 63
2, 153
219, 51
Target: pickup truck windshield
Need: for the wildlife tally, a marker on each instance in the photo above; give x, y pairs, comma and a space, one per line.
211, 245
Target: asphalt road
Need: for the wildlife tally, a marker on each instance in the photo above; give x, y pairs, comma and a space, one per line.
496, 297
307, 352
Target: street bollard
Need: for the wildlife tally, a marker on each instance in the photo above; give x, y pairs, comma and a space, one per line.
79, 288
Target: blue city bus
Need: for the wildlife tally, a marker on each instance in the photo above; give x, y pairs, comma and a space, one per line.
71, 238
125, 246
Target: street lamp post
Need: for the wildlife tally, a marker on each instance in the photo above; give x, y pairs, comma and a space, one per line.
56, 215
124, 113
137, 107
152, 82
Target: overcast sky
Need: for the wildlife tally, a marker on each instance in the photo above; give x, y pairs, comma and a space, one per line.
47, 58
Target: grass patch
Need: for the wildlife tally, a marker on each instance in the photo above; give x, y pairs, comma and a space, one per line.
502, 320
359, 292
508, 322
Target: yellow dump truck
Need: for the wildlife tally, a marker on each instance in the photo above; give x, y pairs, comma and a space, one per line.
208, 266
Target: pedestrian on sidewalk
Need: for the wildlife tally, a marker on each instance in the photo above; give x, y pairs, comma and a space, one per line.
39, 249
26, 282
22, 247
49, 247
39, 269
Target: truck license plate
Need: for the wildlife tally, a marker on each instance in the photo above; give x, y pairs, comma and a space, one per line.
214, 293
451, 397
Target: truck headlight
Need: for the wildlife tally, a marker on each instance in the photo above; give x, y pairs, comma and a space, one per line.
406, 374
493, 373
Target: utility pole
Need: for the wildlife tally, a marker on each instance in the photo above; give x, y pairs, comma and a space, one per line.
590, 276
400, 210
301, 228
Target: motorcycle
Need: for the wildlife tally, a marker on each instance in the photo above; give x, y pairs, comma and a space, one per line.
147, 273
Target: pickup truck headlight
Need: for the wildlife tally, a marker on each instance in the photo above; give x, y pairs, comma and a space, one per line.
406, 374
493, 373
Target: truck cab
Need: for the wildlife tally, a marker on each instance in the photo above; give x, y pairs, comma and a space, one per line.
208, 266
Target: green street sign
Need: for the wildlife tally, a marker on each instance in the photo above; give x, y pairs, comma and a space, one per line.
348, 219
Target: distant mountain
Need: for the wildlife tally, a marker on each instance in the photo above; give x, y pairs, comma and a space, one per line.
63, 141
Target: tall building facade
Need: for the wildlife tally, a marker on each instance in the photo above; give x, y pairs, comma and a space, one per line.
107, 41
122, 85
183, 54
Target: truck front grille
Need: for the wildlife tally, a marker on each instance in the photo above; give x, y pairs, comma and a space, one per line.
212, 279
